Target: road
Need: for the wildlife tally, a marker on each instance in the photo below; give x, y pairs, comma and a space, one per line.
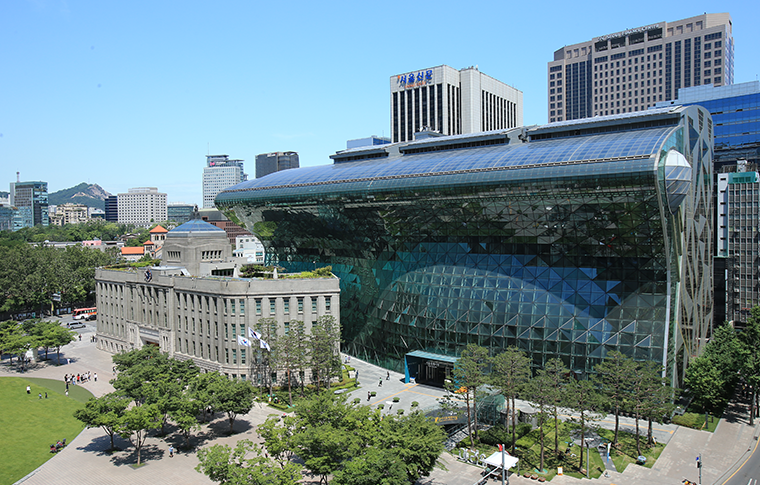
749, 472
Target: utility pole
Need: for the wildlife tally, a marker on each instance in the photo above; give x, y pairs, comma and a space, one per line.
699, 466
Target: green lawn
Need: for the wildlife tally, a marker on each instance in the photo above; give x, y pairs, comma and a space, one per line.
30, 425
697, 421
625, 454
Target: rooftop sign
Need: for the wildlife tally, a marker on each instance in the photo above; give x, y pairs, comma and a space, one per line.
413, 80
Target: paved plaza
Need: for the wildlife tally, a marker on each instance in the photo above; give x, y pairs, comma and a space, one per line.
85, 461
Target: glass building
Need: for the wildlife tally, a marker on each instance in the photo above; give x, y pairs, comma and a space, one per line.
571, 239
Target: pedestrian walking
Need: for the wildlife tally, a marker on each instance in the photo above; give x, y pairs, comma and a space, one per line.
96, 377
369, 395
388, 376
68, 361
28, 389
171, 451
46, 395
40, 395
380, 384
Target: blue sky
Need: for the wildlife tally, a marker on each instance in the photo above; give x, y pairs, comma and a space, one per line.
132, 94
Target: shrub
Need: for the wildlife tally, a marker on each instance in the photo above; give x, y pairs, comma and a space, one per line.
380, 406
400, 412
357, 400
373, 393
396, 399
415, 404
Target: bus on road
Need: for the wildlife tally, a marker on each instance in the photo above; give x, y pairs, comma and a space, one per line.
85, 313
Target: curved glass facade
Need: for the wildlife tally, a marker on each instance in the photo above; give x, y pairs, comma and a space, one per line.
575, 243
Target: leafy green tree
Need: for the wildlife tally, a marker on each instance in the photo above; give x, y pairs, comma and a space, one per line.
278, 436
105, 411
749, 340
323, 350
185, 415
707, 384
135, 424
59, 337
202, 388
646, 393
614, 376
232, 397
416, 442
468, 375
229, 466
510, 372
373, 467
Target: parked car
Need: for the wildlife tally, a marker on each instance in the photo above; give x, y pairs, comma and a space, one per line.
76, 325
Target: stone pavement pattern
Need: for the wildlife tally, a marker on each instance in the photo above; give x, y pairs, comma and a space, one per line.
86, 462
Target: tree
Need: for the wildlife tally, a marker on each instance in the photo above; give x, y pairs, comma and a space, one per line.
645, 392
749, 341
58, 337
540, 393
467, 376
278, 437
614, 375
583, 397
105, 411
202, 387
510, 372
267, 328
557, 373
416, 442
291, 352
707, 385
373, 467
229, 466
232, 397
136, 423
323, 350
185, 414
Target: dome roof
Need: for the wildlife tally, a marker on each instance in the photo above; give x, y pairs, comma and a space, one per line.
196, 228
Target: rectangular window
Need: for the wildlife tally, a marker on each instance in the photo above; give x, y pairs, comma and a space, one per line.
226, 356
327, 303
287, 328
314, 305
232, 305
242, 356
258, 306
286, 305
242, 307
300, 305
272, 307
234, 329
234, 356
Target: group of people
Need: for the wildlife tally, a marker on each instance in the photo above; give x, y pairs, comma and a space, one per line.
79, 378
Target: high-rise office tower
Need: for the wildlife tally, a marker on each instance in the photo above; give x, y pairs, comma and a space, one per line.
636, 68
267, 163
31, 200
451, 102
142, 206
112, 208
220, 172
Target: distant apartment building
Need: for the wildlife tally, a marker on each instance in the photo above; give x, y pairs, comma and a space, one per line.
636, 68
142, 206
267, 163
220, 172
63, 214
248, 246
7, 216
112, 208
451, 102
180, 212
31, 201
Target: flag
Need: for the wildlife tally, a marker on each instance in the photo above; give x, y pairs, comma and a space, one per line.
264, 345
501, 447
243, 341
253, 334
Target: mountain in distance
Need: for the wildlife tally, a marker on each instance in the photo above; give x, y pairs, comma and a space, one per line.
91, 195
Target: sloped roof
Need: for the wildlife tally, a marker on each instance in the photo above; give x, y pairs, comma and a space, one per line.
132, 250
158, 230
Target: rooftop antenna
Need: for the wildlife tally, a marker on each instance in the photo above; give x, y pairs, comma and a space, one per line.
18, 177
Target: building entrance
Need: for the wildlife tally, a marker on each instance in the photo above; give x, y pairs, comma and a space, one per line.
428, 368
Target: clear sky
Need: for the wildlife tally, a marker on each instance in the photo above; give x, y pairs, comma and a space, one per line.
135, 94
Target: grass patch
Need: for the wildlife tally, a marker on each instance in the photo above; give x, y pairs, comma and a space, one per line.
625, 453
697, 421
30, 425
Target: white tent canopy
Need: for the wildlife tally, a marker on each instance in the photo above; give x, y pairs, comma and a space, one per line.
495, 460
